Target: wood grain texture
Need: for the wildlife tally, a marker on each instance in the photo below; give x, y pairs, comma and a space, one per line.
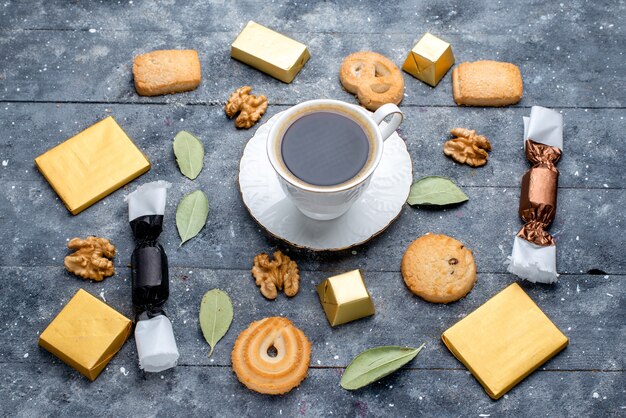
65, 65
401, 318
202, 391
80, 66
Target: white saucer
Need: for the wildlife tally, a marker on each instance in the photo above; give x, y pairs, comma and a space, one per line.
380, 204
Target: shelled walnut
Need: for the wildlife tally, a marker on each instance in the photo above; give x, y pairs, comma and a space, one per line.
467, 148
249, 107
91, 259
272, 276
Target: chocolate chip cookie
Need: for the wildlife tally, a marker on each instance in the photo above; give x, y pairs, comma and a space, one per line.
438, 268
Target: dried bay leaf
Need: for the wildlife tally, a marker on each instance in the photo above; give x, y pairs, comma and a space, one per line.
216, 315
191, 215
374, 364
189, 153
435, 190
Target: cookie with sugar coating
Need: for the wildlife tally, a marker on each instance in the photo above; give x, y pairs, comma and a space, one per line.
438, 268
166, 71
487, 83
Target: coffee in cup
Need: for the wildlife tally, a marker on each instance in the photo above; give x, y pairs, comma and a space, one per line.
325, 148
325, 151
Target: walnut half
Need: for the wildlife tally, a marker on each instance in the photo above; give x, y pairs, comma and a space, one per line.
467, 148
91, 259
272, 276
249, 107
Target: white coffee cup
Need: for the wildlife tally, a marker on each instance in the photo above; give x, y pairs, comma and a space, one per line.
330, 202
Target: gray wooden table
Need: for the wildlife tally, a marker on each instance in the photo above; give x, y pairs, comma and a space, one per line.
67, 64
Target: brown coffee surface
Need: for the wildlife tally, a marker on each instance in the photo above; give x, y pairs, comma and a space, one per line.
325, 148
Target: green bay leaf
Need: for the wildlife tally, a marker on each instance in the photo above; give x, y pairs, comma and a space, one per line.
191, 215
435, 190
216, 315
189, 153
374, 364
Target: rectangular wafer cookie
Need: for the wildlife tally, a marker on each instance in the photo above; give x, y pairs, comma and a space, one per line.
166, 71
486, 83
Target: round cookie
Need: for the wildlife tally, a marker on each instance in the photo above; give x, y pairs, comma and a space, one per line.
373, 78
258, 369
438, 268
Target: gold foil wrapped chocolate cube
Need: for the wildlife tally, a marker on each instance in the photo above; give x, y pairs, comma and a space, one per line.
86, 334
92, 164
429, 60
345, 298
270, 52
504, 340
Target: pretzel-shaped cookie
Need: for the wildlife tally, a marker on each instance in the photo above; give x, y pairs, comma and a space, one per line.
373, 78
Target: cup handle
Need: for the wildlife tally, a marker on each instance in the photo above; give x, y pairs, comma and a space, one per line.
396, 119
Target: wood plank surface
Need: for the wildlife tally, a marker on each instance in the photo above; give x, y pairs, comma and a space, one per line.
65, 65
400, 318
80, 66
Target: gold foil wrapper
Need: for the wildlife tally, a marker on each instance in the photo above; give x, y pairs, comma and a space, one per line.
504, 340
270, 52
86, 334
345, 298
429, 60
538, 197
92, 164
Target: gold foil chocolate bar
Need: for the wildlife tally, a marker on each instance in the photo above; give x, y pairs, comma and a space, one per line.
86, 334
345, 298
270, 52
92, 164
504, 340
534, 251
429, 60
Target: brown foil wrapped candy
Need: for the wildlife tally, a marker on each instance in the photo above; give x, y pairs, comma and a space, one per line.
534, 250
537, 205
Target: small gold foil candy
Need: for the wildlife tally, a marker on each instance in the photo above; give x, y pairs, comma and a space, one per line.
429, 60
270, 52
345, 298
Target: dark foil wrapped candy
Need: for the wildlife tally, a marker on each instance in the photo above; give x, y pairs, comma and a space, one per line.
156, 346
150, 277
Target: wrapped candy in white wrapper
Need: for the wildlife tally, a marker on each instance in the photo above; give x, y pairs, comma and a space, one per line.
544, 126
147, 199
533, 262
156, 345
529, 261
